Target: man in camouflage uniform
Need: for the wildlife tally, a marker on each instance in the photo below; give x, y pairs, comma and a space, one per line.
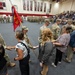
56, 29
1, 19
6, 55
47, 22
69, 24
25, 30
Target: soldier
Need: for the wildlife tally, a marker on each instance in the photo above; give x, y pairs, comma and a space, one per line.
6, 55
56, 29
0, 18
40, 20
47, 22
69, 24
25, 30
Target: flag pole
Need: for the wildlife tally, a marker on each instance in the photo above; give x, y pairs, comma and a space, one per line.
10, 2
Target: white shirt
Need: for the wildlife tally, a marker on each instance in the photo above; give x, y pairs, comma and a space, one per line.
22, 47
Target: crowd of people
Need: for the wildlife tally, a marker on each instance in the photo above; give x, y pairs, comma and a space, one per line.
64, 16
8, 19
59, 38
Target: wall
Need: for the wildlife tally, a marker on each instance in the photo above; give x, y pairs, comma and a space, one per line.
55, 8
19, 4
67, 5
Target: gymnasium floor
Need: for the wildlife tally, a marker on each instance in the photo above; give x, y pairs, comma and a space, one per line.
6, 29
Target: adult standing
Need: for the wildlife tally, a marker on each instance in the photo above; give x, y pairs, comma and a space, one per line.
9, 63
56, 29
47, 22
22, 53
25, 31
61, 45
71, 47
45, 49
3, 67
69, 24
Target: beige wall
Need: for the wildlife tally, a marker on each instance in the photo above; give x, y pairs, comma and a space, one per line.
19, 4
67, 5
55, 8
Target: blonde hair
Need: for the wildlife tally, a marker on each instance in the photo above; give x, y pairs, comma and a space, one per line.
46, 35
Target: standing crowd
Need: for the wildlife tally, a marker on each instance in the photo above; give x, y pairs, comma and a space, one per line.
56, 38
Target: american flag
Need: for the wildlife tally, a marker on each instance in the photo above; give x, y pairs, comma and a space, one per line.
2, 5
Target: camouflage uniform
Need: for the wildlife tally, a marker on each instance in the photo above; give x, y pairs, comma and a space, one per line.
56, 31
73, 27
26, 37
67, 26
41, 30
4, 44
6, 55
28, 41
47, 22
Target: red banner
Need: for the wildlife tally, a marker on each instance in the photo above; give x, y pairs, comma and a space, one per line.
16, 18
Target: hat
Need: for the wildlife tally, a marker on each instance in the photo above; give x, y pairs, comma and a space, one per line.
69, 20
47, 20
58, 20
24, 28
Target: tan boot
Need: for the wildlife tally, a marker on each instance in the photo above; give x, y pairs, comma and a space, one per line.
11, 64
67, 60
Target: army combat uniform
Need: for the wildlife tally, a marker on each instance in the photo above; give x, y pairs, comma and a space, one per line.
26, 37
6, 55
47, 22
65, 26
56, 31
28, 41
40, 34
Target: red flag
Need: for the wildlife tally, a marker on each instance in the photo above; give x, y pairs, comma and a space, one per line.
16, 18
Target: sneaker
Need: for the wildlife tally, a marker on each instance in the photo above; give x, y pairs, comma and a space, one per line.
54, 65
59, 62
11, 64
